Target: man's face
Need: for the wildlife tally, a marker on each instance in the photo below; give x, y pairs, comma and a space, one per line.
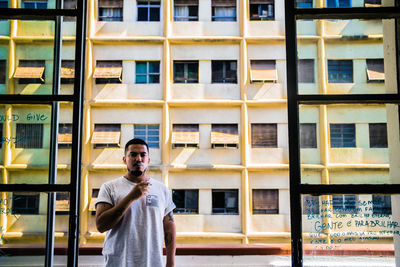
136, 159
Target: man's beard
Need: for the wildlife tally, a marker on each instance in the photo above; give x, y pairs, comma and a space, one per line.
136, 172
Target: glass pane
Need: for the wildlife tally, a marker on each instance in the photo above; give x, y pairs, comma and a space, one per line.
23, 228
344, 229
25, 146
347, 143
350, 57
342, 3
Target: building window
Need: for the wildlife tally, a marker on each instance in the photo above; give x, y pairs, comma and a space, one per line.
264, 135
381, 204
262, 10
3, 71
106, 135
343, 135
92, 206
62, 203
149, 133
110, 10
304, 3
185, 135
263, 71
310, 205
225, 201
186, 71
378, 135
372, 3
223, 10
375, 70
224, 135
340, 71
35, 4
29, 135
147, 71
4, 4
30, 71
344, 203
108, 71
65, 135
224, 71
148, 10
67, 71
265, 201
25, 203
338, 3
186, 10
308, 135
186, 201
306, 71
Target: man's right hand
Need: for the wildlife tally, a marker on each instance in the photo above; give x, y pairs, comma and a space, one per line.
141, 189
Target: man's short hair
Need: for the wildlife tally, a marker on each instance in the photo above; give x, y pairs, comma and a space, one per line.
136, 141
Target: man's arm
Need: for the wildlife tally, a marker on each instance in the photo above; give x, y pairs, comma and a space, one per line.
170, 238
107, 216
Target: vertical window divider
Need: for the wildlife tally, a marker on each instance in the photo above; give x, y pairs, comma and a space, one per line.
51, 203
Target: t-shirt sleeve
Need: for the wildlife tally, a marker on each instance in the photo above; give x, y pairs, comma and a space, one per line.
105, 195
169, 203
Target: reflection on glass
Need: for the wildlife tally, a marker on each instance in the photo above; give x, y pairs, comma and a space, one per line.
22, 226
355, 226
25, 143
347, 141
346, 56
342, 3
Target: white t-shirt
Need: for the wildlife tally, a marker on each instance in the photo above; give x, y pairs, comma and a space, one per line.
137, 240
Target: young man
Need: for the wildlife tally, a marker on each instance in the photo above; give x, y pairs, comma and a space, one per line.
135, 210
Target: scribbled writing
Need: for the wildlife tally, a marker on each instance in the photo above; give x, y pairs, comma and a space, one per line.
13, 140
31, 116
5, 206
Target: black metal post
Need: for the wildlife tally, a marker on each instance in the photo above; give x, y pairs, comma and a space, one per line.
293, 119
73, 240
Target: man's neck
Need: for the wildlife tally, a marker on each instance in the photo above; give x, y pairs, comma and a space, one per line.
135, 179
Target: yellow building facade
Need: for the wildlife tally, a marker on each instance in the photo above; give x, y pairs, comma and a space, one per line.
205, 83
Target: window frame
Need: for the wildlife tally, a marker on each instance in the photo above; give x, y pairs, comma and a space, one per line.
185, 210
150, 143
224, 78
190, 10
38, 144
148, 73
265, 211
225, 210
260, 8
272, 141
185, 79
337, 72
341, 142
150, 4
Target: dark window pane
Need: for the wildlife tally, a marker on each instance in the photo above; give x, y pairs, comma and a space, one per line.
142, 14
306, 71
265, 201
378, 135
264, 135
2, 71
381, 204
155, 14
308, 136
29, 135
25, 203
225, 201
344, 203
310, 204
343, 135
186, 201
340, 71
